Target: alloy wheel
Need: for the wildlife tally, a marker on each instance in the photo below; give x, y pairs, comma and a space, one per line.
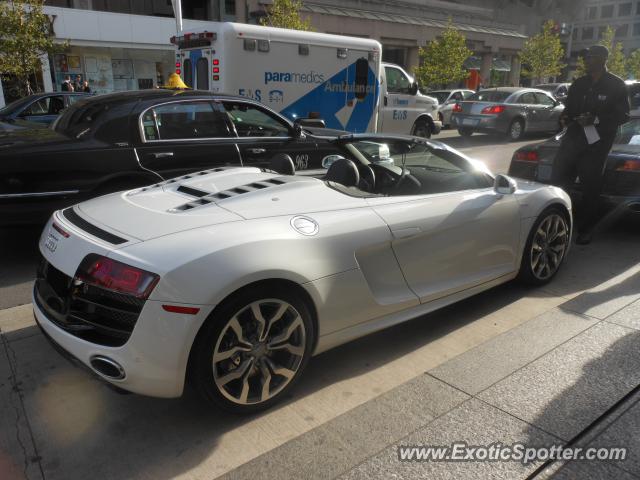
259, 351
516, 130
549, 246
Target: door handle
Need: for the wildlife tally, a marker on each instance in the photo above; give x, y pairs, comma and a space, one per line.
406, 232
386, 100
256, 151
162, 155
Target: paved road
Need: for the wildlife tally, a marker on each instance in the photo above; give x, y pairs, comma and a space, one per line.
18, 252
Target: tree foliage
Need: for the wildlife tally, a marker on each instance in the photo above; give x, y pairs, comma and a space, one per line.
26, 35
542, 54
286, 14
633, 64
616, 63
442, 59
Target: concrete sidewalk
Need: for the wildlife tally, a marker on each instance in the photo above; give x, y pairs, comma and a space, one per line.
536, 366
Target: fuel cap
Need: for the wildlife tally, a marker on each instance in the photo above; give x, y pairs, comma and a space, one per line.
304, 225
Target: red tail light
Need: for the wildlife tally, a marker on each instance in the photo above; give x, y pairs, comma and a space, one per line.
457, 108
527, 156
116, 276
493, 110
629, 166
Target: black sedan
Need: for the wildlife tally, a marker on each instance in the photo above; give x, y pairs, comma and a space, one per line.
41, 108
113, 142
621, 183
507, 110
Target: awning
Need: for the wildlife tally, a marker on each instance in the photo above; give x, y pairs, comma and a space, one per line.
475, 63
395, 18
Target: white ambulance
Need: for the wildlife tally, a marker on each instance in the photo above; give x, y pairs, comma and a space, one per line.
307, 75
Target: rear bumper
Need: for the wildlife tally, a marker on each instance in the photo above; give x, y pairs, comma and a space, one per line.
481, 123
154, 359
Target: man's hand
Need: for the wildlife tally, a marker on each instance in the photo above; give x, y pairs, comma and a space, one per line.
585, 119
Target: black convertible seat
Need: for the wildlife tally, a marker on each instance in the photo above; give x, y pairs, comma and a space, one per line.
282, 164
344, 172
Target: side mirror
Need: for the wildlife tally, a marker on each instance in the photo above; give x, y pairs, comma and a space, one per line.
330, 159
297, 131
504, 185
413, 89
310, 122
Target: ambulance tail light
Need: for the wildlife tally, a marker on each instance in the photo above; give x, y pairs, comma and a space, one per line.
216, 69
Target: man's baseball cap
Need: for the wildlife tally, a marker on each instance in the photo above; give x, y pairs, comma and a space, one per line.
597, 51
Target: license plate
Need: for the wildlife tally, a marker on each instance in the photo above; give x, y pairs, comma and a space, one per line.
544, 172
50, 242
469, 121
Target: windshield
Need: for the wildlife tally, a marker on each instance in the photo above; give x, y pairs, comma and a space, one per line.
15, 106
78, 119
441, 96
489, 96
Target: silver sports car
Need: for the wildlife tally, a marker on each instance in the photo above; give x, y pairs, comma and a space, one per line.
234, 277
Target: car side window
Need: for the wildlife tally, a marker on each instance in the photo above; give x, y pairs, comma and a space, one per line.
467, 93
397, 82
184, 121
45, 106
457, 96
252, 121
527, 98
544, 99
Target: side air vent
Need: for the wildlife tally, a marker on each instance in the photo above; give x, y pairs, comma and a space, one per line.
194, 192
205, 198
75, 219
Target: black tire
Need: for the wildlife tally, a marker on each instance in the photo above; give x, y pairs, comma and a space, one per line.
422, 128
216, 330
465, 132
527, 273
516, 130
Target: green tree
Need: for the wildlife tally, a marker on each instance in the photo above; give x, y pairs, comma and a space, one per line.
581, 67
286, 14
542, 54
26, 35
633, 64
616, 63
442, 59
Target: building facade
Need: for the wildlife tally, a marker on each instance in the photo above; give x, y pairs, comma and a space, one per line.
124, 44
597, 15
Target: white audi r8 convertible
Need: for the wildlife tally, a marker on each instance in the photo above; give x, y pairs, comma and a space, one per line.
234, 277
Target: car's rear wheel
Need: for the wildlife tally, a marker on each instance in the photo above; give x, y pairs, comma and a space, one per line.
516, 130
465, 132
253, 349
546, 247
421, 128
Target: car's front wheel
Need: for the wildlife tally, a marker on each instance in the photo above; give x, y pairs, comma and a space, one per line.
253, 349
546, 247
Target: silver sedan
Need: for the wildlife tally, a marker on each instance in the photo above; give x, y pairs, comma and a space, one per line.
508, 110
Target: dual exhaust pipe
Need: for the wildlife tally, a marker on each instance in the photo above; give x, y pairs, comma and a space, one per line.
107, 367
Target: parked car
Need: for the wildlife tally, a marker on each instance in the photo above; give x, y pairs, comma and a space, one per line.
112, 142
507, 110
621, 183
40, 107
633, 90
233, 277
447, 100
559, 91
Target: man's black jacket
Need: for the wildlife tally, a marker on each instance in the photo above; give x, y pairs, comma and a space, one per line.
607, 99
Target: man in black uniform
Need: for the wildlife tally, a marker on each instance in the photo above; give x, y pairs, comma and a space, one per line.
597, 100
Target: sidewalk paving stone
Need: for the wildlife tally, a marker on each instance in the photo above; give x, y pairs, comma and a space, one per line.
568, 388
481, 367
473, 422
